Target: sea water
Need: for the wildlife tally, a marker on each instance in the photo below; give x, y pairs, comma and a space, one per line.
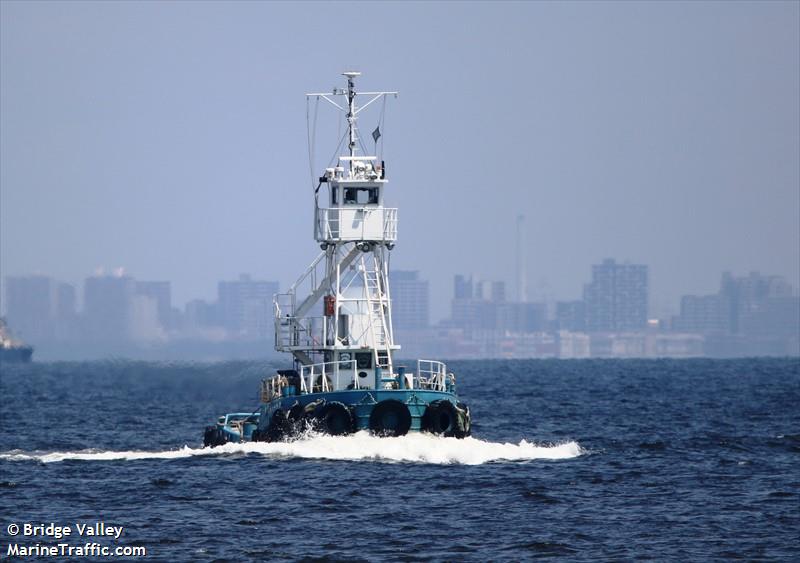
600, 459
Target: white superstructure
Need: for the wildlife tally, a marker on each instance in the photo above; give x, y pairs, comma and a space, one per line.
336, 319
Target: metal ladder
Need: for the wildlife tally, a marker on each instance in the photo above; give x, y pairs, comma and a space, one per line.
377, 315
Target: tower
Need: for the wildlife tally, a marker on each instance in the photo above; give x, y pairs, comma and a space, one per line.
337, 316
522, 273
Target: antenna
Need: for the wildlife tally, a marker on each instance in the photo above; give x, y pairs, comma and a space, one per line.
351, 111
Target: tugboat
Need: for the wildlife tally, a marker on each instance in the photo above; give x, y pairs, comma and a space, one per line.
336, 321
12, 350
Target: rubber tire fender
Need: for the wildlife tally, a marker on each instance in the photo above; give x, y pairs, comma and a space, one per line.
334, 418
209, 436
464, 420
279, 427
390, 418
440, 418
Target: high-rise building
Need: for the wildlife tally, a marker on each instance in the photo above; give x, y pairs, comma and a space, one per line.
617, 297
40, 309
521, 318
200, 314
472, 307
571, 316
462, 287
66, 312
161, 293
755, 304
702, 314
245, 306
410, 300
31, 307
107, 307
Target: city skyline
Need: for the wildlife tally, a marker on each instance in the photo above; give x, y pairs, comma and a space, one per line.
750, 314
175, 144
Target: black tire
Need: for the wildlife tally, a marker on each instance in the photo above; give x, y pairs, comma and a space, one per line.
390, 418
464, 421
208, 436
279, 427
334, 418
214, 437
440, 418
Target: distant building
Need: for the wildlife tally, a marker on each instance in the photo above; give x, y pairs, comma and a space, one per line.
245, 306
161, 293
521, 318
755, 304
66, 313
573, 345
410, 300
571, 316
481, 309
107, 307
41, 309
752, 306
462, 287
143, 319
199, 314
31, 307
702, 314
617, 297
472, 307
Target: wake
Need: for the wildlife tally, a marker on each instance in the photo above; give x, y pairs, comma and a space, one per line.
412, 448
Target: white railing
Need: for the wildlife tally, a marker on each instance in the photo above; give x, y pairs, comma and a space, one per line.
431, 374
271, 388
308, 332
358, 223
326, 376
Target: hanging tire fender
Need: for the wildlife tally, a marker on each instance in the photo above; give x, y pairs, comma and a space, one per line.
440, 417
334, 418
390, 418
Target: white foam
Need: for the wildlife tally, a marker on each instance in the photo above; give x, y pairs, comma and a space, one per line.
413, 448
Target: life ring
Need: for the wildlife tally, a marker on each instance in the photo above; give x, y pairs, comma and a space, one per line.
334, 418
390, 418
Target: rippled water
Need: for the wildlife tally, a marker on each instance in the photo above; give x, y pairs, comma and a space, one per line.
584, 459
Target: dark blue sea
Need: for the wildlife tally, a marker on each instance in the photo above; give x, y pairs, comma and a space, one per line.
581, 460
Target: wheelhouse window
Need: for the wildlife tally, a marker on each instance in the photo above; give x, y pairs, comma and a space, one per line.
360, 196
334, 196
364, 360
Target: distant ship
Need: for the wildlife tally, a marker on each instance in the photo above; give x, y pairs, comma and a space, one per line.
12, 350
336, 321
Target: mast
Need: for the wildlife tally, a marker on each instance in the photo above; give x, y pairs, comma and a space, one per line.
351, 114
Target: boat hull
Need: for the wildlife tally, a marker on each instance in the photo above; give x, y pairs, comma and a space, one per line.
16, 355
362, 403
383, 412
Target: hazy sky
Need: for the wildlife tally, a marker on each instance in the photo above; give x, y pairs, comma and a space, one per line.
170, 138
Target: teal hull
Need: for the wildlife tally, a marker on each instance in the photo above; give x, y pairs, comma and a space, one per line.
361, 403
